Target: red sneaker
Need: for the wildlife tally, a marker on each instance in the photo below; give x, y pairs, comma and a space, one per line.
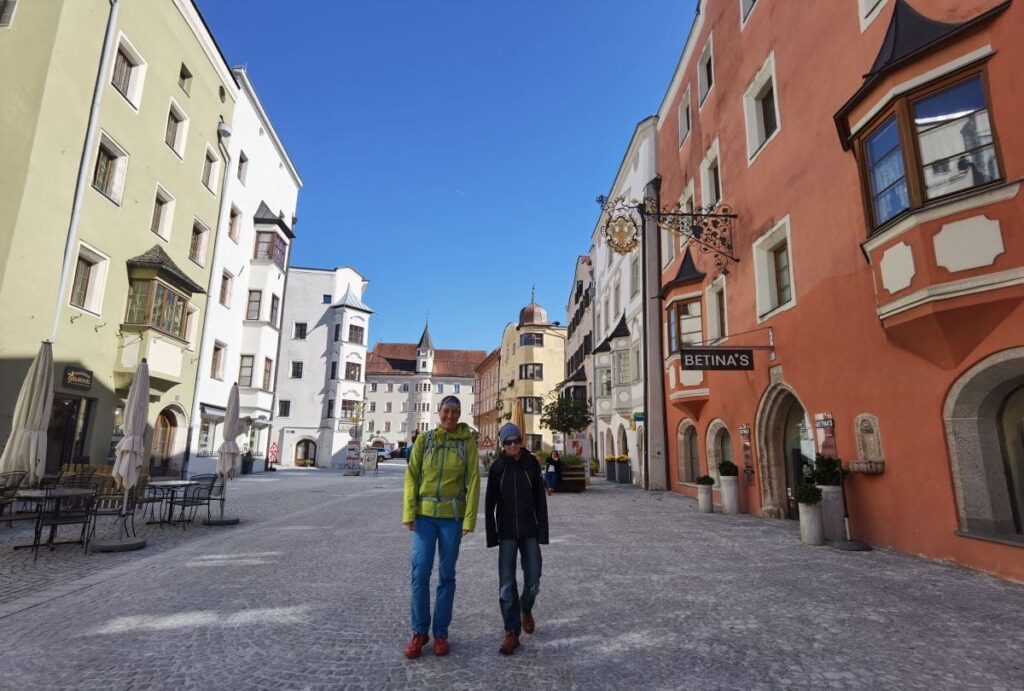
415, 647
440, 646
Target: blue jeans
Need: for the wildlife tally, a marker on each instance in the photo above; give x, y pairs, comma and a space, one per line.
512, 606
443, 535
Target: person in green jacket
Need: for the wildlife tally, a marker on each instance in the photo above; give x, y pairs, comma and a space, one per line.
442, 494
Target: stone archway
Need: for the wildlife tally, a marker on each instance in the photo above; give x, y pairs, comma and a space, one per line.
623, 442
718, 446
773, 412
167, 447
687, 462
980, 460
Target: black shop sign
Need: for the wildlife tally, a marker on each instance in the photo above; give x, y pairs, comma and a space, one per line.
716, 359
75, 378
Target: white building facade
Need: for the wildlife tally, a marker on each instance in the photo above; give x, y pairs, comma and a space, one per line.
405, 386
618, 357
247, 282
322, 374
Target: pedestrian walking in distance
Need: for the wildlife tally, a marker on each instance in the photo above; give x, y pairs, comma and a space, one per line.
516, 515
442, 495
552, 469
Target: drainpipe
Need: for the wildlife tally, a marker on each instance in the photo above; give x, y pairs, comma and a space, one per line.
83, 166
206, 335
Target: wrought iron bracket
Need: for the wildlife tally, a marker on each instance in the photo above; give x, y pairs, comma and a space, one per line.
706, 228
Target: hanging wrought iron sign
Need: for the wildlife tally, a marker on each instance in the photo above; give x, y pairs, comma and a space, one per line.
708, 229
622, 230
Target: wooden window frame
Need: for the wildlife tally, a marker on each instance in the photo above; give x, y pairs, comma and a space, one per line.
258, 304
900, 107
268, 371
122, 58
778, 250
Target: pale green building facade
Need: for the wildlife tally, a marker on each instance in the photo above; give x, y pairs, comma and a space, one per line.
141, 221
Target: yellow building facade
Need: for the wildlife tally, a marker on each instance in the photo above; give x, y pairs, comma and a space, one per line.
532, 363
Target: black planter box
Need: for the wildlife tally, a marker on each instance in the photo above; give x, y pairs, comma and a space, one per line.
609, 470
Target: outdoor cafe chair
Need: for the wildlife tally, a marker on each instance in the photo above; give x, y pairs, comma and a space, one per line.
196, 495
147, 497
9, 485
110, 501
56, 511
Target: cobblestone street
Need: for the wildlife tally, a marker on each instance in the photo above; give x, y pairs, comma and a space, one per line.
638, 590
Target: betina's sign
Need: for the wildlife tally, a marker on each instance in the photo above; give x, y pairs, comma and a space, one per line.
716, 359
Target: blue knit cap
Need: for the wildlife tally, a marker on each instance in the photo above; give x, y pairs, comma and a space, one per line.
508, 430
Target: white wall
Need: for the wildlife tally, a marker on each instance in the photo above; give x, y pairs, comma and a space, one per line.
269, 178
308, 395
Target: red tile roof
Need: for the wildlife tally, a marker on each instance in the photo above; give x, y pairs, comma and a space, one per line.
400, 358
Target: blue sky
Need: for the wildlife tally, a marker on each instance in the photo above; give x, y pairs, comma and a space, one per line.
451, 150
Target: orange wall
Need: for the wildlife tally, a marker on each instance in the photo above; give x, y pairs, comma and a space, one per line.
833, 350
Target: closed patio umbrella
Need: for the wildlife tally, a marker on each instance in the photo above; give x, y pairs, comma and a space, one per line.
26, 447
130, 452
228, 455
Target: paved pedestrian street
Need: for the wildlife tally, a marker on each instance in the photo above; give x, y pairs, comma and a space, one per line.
639, 591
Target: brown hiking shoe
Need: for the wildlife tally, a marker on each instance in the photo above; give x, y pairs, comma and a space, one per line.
509, 644
440, 646
415, 647
528, 623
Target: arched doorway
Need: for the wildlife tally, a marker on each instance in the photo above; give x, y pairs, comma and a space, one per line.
162, 448
686, 452
305, 452
719, 446
623, 442
786, 450
1011, 427
984, 420
609, 443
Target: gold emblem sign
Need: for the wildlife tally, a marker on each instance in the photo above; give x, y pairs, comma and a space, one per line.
622, 234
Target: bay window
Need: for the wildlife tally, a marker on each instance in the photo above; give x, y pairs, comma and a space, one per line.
929, 143
155, 305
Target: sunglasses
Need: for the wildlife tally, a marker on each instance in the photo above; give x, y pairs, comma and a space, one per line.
512, 442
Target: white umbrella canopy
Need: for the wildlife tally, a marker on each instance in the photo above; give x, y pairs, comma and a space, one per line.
228, 454
131, 450
26, 447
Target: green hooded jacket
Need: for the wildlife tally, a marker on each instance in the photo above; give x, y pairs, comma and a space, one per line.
443, 480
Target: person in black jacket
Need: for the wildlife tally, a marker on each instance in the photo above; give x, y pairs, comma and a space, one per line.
516, 514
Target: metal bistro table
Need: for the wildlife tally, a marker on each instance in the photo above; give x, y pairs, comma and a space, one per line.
170, 489
38, 496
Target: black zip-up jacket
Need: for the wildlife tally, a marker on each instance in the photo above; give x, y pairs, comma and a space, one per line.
516, 504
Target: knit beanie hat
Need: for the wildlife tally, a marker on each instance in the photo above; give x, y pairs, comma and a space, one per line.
451, 401
508, 430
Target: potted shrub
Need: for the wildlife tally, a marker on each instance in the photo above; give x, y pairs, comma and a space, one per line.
729, 486
828, 476
624, 474
808, 499
704, 503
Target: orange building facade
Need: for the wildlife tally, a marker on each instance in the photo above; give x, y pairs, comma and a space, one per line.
871, 153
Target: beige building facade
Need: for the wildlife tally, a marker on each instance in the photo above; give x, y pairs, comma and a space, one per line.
112, 184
